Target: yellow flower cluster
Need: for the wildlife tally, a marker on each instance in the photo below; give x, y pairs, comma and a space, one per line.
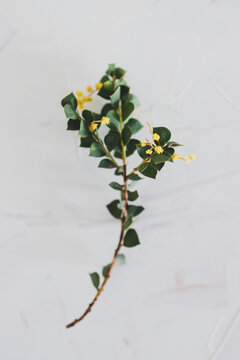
157, 149
94, 124
82, 98
185, 158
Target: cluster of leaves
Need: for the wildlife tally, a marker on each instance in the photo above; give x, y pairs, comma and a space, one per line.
120, 142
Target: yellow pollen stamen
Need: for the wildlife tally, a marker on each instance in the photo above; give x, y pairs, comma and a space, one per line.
159, 149
89, 88
105, 120
98, 85
149, 151
186, 159
192, 157
92, 127
79, 93
143, 143
175, 156
155, 136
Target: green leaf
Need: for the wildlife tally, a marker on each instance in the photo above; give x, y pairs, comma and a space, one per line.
131, 238
119, 72
142, 151
73, 124
89, 116
149, 171
164, 133
133, 99
173, 143
158, 166
112, 139
86, 142
126, 135
134, 125
106, 108
70, 112
132, 195
115, 97
96, 150
128, 222
121, 259
114, 185
160, 158
127, 109
71, 100
118, 152
132, 146
124, 90
134, 177
119, 171
111, 69
114, 120
84, 130
106, 164
95, 279
121, 205
114, 210
105, 270
106, 90
104, 79
134, 210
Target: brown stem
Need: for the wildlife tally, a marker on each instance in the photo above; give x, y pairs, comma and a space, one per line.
116, 252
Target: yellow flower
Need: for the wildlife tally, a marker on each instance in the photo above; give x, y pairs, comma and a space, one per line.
80, 106
105, 120
149, 151
87, 98
80, 100
192, 157
155, 136
175, 156
159, 149
98, 85
186, 160
89, 88
79, 93
93, 127
143, 143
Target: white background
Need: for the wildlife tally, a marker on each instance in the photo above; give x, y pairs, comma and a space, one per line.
179, 292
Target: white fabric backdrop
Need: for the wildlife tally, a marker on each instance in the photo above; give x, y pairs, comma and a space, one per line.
179, 291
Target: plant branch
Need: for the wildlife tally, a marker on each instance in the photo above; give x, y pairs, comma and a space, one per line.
109, 155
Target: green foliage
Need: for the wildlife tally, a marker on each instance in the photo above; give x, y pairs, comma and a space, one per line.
134, 210
86, 142
71, 100
105, 270
114, 120
127, 109
126, 135
107, 89
96, 150
70, 112
84, 130
132, 195
114, 210
128, 222
95, 279
121, 259
164, 133
149, 171
132, 147
134, 125
73, 124
106, 164
134, 177
112, 139
114, 185
131, 238
115, 97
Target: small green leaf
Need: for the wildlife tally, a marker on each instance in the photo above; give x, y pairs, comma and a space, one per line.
114, 120
118, 152
71, 100
132, 146
128, 222
105, 270
132, 195
106, 164
70, 112
127, 109
173, 143
149, 171
121, 205
111, 69
96, 150
134, 210
89, 116
112, 139
114, 185
142, 151
114, 210
115, 97
126, 135
158, 166
106, 108
134, 125
119, 73
104, 79
95, 279
119, 171
131, 238
134, 177
73, 124
164, 133
160, 158
84, 130
121, 260
86, 142
133, 99
106, 90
